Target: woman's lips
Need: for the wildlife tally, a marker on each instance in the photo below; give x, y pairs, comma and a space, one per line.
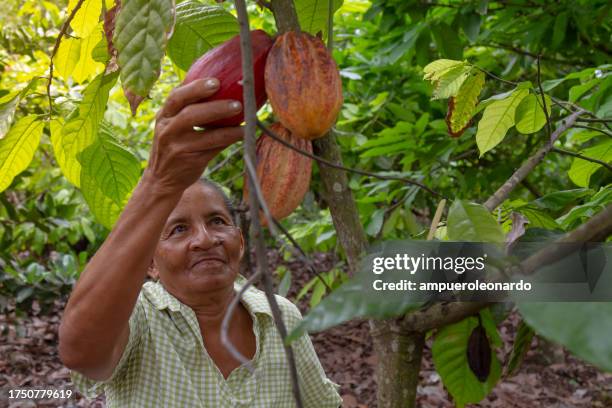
208, 262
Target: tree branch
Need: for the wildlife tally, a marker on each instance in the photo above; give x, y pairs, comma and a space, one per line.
250, 111
595, 129
62, 32
598, 228
329, 163
504, 191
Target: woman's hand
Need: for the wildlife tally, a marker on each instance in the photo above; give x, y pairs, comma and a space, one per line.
180, 153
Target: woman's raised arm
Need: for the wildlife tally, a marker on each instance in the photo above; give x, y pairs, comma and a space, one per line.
94, 328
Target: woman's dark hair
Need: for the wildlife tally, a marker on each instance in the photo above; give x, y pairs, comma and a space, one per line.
229, 205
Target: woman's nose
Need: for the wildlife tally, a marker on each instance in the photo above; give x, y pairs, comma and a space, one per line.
203, 238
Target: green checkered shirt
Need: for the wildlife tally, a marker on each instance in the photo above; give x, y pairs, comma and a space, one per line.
166, 365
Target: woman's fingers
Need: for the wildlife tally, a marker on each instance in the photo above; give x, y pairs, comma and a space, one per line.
213, 139
200, 114
185, 95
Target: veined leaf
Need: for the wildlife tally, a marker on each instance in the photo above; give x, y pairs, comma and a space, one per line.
74, 57
313, 14
9, 103
86, 18
522, 343
462, 106
581, 170
472, 222
583, 328
109, 173
434, 70
81, 129
529, 115
141, 32
497, 118
450, 358
450, 82
18, 147
198, 29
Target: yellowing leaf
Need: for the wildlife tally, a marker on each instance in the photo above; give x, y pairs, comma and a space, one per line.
74, 57
81, 128
529, 115
497, 118
17, 148
450, 82
434, 70
464, 103
86, 18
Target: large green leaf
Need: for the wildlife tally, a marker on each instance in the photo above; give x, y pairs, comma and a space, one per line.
529, 115
464, 102
434, 70
473, 223
81, 129
449, 353
584, 328
141, 32
17, 148
581, 170
109, 173
199, 28
497, 118
313, 14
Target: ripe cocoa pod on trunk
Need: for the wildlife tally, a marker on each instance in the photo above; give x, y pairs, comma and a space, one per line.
284, 174
224, 62
303, 84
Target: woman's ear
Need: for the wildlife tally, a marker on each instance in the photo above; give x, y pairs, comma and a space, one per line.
152, 271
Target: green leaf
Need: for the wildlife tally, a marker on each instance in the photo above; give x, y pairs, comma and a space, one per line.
529, 115
449, 353
581, 212
313, 14
198, 29
470, 24
497, 118
577, 91
141, 32
17, 148
9, 103
447, 41
81, 129
86, 18
522, 344
583, 328
109, 173
538, 218
434, 70
581, 170
558, 200
285, 283
75, 59
464, 102
559, 30
472, 222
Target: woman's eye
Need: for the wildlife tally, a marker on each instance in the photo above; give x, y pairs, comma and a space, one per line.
218, 221
178, 229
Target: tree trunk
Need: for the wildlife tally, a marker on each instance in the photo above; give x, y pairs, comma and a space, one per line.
399, 353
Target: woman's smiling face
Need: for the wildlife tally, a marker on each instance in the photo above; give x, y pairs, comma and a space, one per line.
199, 248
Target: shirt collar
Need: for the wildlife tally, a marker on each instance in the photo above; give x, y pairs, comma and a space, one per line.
254, 299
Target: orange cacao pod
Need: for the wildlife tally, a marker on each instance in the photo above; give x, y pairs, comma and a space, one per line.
303, 84
284, 174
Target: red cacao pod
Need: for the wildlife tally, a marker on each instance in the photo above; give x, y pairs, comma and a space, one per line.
224, 62
303, 84
283, 173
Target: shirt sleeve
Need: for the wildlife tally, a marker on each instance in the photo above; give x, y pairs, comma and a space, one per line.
137, 324
317, 390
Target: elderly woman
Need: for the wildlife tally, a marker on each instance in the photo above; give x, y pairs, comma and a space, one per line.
158, 344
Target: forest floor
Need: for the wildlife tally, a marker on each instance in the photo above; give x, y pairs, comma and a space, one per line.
549, 377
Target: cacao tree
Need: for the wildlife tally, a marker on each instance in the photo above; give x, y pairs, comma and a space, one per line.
503, 107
